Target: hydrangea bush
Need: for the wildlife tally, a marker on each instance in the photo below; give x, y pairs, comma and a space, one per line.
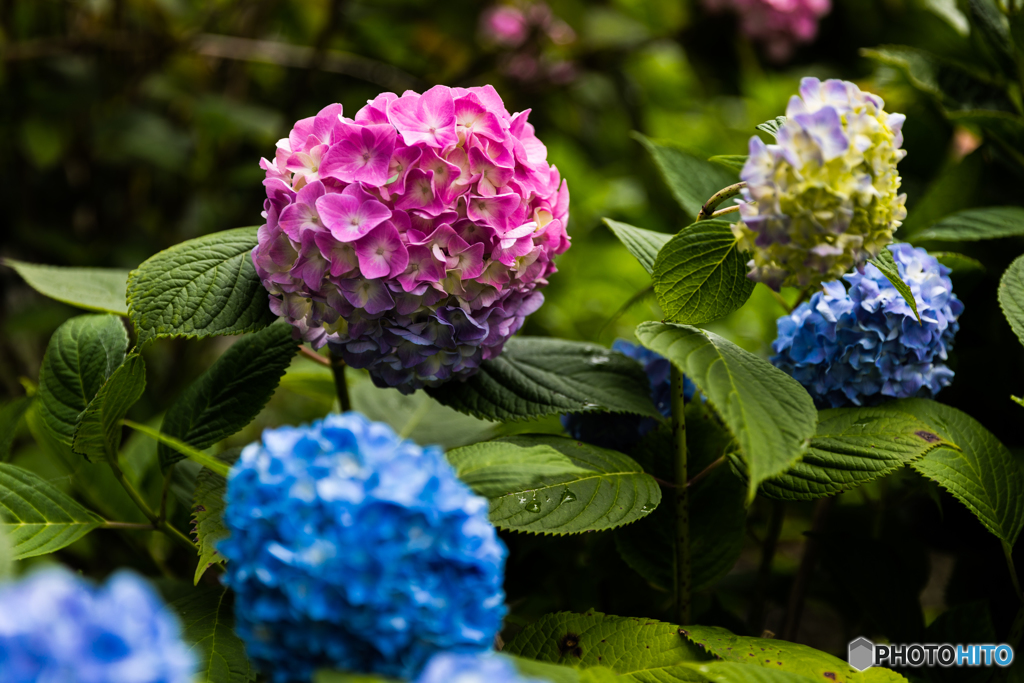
415, 237
779, 25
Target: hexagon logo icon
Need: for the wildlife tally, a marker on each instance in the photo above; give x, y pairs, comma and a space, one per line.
861, 654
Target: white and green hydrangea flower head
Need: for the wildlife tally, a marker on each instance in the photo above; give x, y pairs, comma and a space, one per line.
826, 197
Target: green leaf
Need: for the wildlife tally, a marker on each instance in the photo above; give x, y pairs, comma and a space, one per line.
1011, 296
208, 518
417, 417
193, 454
990, 222
701, 275
6, 556
994, 26
769, 414
208, 625
958, 263
531, 668
98, 434
982, 474
231, 393
536, 376
200, 288
733, 162
772, 127
641, 243
554, 485
691, 178
37, 517
794, 658
81, 356
639, 650
887, 265
11, 414
94, 289
734, 672
853, 446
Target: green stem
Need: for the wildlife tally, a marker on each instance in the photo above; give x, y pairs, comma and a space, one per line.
717, 198
340, 384
194, 454
163, 494
682, 577
1008, 553
137, 498
126, 525
764, 571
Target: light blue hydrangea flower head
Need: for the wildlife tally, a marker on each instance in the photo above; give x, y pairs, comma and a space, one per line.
620, 431
472, 668
55, 627
353, 549
864, 345
826, 197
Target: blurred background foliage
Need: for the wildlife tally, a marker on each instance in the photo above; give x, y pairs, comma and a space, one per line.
127, 126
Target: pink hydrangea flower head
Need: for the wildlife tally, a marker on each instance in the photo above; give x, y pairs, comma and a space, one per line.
505, 25
779, 25
415, 237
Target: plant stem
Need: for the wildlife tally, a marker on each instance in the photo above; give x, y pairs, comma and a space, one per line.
1008, 553
706, 471
126, 525
800, 299
764, 571
727, 210
682, 577
717, 198
163, 494
340, 385
137, 498
798, 592
313, 355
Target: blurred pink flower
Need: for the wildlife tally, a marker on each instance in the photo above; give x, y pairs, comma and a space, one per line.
505, 25
779, 25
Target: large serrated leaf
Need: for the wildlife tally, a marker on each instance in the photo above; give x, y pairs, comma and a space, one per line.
853, 446
537, 376
982, 474
887, 265
1011, 296
11, 414
37, 517
554, 485
781, 655
641, 243
7, 556
733, 162
769, 414
231, 393
81, 356
690, 176
639, 650
700, 275
772, 127
958, 264
208, 625
208, 518
94, 289
98, 433
200, 288
734, 672
990, 222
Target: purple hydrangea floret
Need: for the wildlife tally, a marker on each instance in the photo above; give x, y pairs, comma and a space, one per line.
488, 667
415, 237
353, 549
864, 345
56, 627
620, 431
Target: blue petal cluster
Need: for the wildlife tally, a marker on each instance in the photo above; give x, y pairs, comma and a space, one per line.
57, 628
864, 345
475, 668
353, 549
621, 431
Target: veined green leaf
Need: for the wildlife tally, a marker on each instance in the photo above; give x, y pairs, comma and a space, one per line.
772, 127
94, 289
982, 474
82, 354
700, 275
1011, 296
638, 650
11, 414
208, 518
733, 162
735, 672
990, 222
554, 485
6, 555
641, 243
537, 376
200, 288
691, 178
231, 393
958, 264
853, 446
769, 414
208, 625
98, 433
37, 517
886, 264
547, 671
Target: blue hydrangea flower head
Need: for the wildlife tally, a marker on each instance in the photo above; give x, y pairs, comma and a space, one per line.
353, 549
55, 627
488, 667
825, 197
620, 431
864, 345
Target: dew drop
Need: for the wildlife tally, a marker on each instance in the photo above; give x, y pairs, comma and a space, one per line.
646, 508
567, 497
532, 506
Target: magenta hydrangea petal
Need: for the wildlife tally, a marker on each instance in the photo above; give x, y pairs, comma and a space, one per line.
428, 118
350, 217
362, 153
381, 252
